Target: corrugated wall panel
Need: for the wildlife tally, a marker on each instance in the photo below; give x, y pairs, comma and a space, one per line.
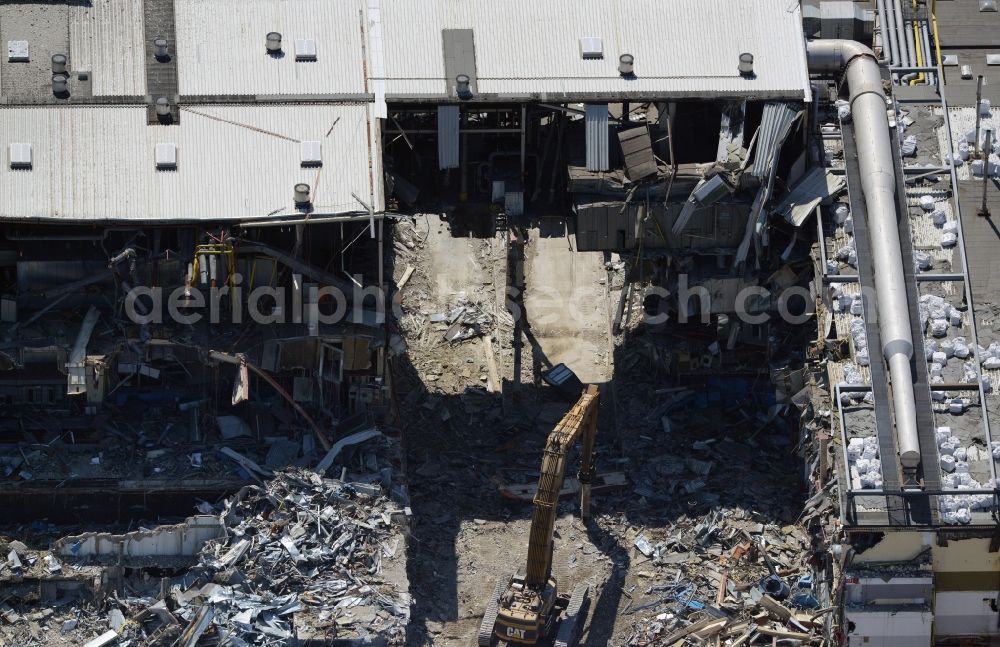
596, 119
448, 137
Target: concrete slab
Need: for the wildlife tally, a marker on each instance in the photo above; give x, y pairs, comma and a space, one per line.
566, 305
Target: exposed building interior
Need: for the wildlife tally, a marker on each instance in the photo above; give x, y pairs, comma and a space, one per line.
454, 322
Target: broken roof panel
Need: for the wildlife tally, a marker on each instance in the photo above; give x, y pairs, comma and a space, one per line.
818, 185
526, 48
233, 162
221, 50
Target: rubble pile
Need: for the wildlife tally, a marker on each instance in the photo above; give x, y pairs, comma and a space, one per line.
303, 558
727, 554
305, 544
730, 577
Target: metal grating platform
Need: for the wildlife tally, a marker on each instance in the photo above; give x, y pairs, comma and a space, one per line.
924, 509
884, 427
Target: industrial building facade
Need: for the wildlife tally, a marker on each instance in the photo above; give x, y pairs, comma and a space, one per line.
209, 214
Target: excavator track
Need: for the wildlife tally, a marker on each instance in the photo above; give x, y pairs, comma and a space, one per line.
490, 616
573, 618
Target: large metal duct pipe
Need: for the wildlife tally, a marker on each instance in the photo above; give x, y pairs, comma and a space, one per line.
878, 181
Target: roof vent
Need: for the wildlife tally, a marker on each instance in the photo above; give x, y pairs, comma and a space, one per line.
58, 63
165, 156
301, 194
746, 64
17, 51
160, 49
305, 49
162, 107
626, 65
273, 43
462, 85
60, 84
591, 47
311, 153
20, 156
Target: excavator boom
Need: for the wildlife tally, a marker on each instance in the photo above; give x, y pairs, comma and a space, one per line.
527, 610
580, 420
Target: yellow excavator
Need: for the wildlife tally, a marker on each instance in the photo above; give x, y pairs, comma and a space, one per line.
527, 608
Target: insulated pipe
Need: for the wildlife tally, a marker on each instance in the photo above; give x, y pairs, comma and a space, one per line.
902, 53
928, 56
884, 31
893, 34
878, 181
912, 49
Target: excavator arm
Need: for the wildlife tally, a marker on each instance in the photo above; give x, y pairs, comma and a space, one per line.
579, 421
528, 610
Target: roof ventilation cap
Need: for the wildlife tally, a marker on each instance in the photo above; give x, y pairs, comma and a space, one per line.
462, 85
305, 49
20, 156
166, 156
60, 84
160, 49
273, 42
162, 107
311, 153
17, 51
746, 64
591, 47
626, 65
58, 63
301, 194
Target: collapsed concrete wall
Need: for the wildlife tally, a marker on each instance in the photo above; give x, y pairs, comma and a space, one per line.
179, 540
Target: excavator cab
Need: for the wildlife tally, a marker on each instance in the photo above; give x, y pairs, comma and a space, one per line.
525, 615
527, 608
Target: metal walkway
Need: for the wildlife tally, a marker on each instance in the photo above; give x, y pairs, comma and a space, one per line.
924, 508
884, 427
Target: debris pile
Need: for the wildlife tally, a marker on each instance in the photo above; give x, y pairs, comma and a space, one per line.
308, 545
303, 558
723, 556
728, 577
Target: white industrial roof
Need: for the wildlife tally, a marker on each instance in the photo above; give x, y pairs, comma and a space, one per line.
221, 47
682, 48
106, 39
235, 161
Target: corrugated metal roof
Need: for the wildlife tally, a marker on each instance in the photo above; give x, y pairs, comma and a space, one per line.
220, 47
106, 39
235, 161
598, 147
681, 47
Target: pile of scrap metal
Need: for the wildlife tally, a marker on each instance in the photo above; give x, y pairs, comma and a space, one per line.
729, 579
465, 321
298, 558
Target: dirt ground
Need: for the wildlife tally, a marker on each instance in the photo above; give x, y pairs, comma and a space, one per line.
463, 442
